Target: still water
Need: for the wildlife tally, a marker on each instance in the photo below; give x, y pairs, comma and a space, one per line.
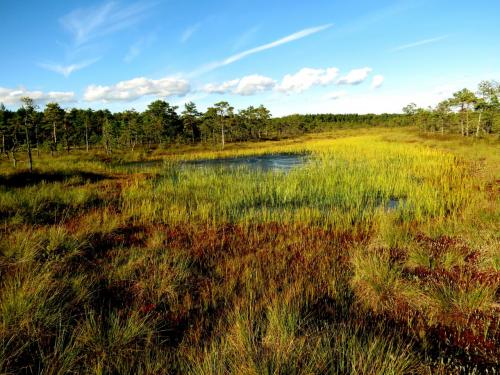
267, 162
273, 162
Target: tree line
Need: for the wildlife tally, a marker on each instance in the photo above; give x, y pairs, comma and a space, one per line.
54, 129
465, 112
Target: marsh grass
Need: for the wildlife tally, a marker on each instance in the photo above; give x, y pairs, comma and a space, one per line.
278, 344
344, 184
377, 256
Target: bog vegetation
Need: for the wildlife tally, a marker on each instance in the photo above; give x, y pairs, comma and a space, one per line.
379, 255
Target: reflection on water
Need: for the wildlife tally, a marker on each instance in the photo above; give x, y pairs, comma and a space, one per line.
273, 162
395, 203
267, 162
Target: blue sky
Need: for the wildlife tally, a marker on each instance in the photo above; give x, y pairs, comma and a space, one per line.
291, 56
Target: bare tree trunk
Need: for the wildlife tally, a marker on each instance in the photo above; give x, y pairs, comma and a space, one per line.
86, 137
28, 143
53, 148
106, 147
14, 159
462, 120
54, 133
36, 140
466, 123
478, 124
222, 134
4, 151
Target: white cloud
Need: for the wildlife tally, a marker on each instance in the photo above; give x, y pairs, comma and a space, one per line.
419, 43
335, 95
355, 76
189, 32
377, 81
136, 88
13, 96
94, 22
290, 38
222, 88
66, 70
248, 85
254, 84
296, 83
287, 39
306, 78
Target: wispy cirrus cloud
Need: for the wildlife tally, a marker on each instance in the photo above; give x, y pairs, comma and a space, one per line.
66, 70
245, 38
419, 43
368, 20
138, 46
287, 39
189, 32
86, 24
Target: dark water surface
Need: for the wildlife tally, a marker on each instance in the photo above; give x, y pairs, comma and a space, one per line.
267, 162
